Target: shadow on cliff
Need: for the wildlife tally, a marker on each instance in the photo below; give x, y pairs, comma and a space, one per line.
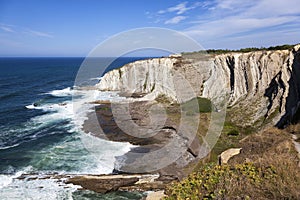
292, 105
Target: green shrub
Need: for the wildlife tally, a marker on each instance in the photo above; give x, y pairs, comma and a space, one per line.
243, 50
272, 174
219, 182
197, 105
233, 132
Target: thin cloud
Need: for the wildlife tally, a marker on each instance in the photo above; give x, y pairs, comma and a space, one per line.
228, 26
250, 17
175, 20
7, 28
180, 8
176, 12
22, 30
40, 34
235, 4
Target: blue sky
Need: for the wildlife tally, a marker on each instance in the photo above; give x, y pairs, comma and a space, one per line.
74, 28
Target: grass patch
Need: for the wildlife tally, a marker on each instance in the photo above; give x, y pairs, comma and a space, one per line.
197, 105
224, 142
229, 138
102, 108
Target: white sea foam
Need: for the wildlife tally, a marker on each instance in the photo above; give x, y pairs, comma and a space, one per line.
7, 147
50, 189
55, 112
102, 153
110, 96
59, 111
62, 93
31, 106
7, 179
97, 78
65, 110
99, 159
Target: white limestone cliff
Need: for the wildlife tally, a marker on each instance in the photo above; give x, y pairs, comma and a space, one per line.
259, 84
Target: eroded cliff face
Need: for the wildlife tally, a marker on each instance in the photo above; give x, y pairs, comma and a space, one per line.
260, 87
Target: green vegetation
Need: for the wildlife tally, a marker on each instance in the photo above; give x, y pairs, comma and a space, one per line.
267, 168
230, 136
233, 132
102, 108
243, 50
197, 105
219, 182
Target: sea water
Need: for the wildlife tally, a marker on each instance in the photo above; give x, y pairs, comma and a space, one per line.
40, 130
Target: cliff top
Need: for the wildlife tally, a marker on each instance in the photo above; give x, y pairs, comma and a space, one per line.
245, 50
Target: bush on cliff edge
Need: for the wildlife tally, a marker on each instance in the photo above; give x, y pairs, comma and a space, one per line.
241, 181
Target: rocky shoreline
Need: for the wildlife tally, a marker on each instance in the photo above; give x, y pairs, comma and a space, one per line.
157, 135
106, 124
152, 123
103, 184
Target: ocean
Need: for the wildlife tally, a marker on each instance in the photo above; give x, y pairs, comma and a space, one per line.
40, 131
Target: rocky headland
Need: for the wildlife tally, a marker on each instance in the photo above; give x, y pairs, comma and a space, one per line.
260, 84
258, 91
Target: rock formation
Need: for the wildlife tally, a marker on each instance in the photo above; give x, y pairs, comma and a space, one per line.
262, 86
229, 153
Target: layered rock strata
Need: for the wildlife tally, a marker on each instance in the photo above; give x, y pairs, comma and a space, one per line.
261, 85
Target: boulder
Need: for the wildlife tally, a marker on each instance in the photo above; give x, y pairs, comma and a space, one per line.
156, 195
229, 153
